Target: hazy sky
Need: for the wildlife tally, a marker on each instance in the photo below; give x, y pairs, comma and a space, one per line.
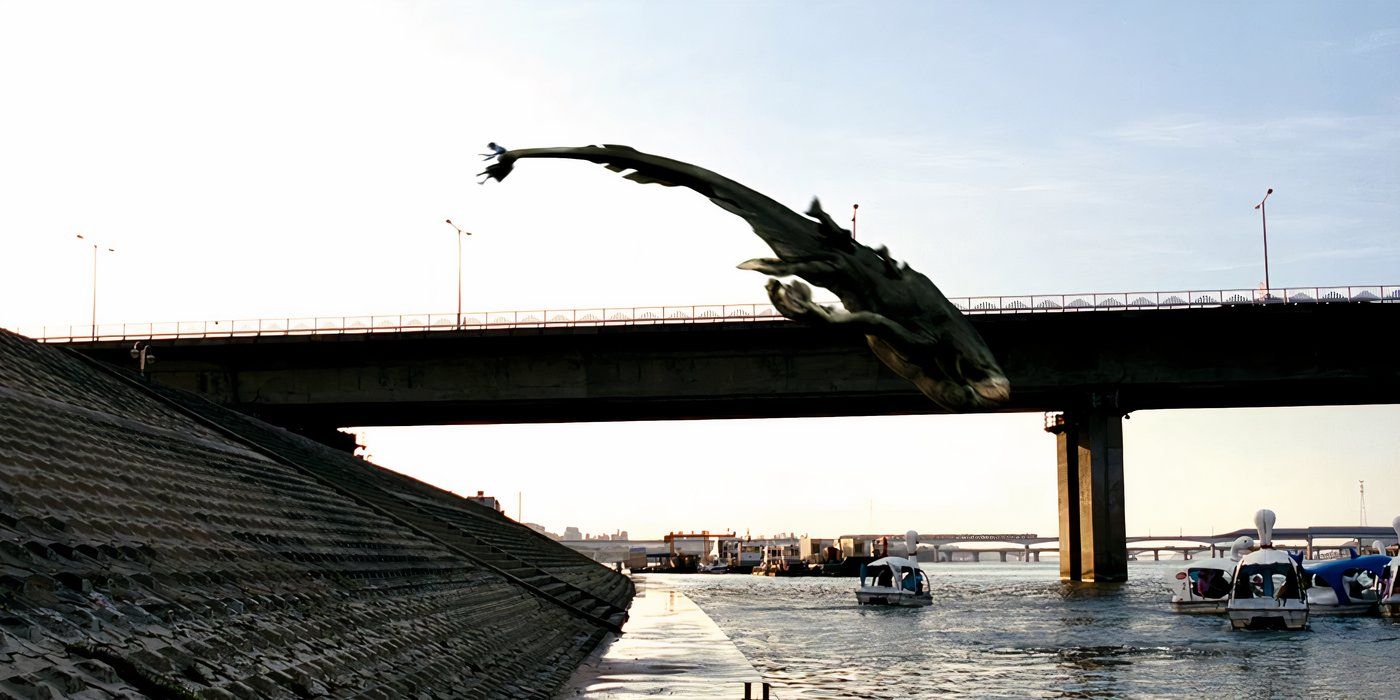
252, 160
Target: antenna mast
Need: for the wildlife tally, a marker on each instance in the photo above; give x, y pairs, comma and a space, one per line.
1363, 503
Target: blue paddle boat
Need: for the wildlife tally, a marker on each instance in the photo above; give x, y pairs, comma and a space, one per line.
1344, 586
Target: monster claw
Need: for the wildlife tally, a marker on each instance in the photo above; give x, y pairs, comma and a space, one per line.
768, 266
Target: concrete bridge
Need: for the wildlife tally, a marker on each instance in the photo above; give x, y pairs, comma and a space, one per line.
1029, 547
1094, 367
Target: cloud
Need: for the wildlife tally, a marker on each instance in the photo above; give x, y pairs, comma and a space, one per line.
1338, 130
1377, 40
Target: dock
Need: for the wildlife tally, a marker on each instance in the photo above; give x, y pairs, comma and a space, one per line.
670, 648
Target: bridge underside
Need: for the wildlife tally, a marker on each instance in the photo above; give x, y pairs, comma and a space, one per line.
1094, 366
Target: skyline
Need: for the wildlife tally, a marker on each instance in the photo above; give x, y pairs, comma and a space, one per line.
720, 486
256, 161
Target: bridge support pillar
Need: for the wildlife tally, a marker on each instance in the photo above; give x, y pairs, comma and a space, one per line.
1089, 460
1003, 556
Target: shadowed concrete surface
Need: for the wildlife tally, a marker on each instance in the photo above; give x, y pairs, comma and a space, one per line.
671, 649
1317, 354
156, 545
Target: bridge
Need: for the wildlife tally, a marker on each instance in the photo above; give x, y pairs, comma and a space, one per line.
1029, 546
1094, 358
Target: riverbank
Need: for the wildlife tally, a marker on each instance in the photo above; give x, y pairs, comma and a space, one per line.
669, 647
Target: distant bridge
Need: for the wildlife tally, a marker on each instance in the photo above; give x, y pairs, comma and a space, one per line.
1030, 549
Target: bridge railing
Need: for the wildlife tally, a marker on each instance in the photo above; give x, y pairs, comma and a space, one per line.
692, 314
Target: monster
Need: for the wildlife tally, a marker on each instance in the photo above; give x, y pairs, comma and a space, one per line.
907, 322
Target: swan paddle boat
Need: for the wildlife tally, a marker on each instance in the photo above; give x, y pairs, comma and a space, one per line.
1345, 586
895, 580
1388, 588
1267, 592
1203, 585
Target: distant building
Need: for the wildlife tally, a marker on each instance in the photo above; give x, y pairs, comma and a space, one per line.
488, 501
540, 529
813, 549
573, 533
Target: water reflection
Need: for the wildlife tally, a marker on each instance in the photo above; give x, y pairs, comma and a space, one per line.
1014, 629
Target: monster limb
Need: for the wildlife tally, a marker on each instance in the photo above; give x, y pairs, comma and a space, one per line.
801, 267
794, 301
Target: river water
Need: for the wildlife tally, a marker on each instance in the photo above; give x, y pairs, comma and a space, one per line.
1016, 630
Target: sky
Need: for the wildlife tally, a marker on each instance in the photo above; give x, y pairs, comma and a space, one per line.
257, 160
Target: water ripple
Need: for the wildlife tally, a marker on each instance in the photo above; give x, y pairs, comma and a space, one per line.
1014, 630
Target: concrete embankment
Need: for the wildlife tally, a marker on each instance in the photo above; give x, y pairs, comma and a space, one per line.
155, 545
669, 648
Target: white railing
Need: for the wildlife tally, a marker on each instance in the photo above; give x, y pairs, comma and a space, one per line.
696, 313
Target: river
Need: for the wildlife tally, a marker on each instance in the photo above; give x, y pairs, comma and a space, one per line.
1016, 630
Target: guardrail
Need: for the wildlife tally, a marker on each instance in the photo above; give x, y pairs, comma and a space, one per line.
706, 313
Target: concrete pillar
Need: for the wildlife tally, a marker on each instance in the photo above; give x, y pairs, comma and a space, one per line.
977, 556
1026, 555
1089, 461
1067, 471
1036, 554
1156, 555
1003, 556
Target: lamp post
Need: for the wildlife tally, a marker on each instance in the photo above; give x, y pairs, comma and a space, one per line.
460, 233
1264, 220
855, 208
95, 246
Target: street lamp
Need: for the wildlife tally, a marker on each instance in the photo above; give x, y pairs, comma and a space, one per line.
95, 246
460, 233
1264, 220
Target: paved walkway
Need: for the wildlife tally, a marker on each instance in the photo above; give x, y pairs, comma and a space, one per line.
669, 648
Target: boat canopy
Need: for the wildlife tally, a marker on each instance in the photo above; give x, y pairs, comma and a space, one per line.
1268, 556
901, 572
895, 562
1209, 578
1268, 573
1218, 563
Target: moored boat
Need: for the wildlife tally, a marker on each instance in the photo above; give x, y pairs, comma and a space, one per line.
715, 567
895, 580
1203, 585
1344, 586
1267, 591
781, 560
1388, 587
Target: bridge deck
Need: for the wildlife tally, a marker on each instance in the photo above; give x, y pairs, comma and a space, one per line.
1287, 355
